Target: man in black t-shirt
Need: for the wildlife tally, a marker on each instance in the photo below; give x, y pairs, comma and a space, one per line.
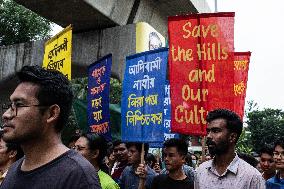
38, 109
174, 152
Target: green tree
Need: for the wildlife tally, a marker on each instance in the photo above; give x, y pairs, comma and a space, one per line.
265, 126
19, 25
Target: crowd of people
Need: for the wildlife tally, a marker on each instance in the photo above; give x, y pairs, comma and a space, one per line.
32, 155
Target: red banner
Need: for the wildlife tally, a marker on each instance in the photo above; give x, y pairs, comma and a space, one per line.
241, 67
201, 68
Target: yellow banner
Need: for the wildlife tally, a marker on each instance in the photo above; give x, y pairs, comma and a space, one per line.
57, 53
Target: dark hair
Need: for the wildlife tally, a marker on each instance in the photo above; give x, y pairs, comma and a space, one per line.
233, 121
180, 145
117, 142
97, 142
138, 146
15, 147
248, 158
54, 88
279, 142
266, 149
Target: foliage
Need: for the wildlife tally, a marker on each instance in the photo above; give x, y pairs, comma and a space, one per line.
265, 126
244, 143
19, 25
80, 86
77, 121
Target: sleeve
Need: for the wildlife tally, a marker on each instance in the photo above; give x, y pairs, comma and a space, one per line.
257, 182
196, 180
112, 186
121, 180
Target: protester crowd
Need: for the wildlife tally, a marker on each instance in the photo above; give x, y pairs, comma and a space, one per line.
33, 156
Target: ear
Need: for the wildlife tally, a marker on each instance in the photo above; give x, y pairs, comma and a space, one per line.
233, 137
53, 113
95, 154
12, 154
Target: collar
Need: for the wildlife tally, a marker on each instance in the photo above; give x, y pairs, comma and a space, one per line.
233, 166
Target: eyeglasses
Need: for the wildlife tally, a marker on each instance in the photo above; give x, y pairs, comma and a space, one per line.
277, 154
15, 106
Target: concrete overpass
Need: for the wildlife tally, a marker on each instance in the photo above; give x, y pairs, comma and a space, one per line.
100, 27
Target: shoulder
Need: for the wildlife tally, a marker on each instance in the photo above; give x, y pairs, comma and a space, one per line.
150, 171
247, 169
107, 181
203, 167
78, 167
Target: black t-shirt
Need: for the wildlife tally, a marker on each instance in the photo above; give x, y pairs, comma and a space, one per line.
165, 182
70, 170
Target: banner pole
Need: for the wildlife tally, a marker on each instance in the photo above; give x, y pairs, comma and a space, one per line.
203, 149
142, 181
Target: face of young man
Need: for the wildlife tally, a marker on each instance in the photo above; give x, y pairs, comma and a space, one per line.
217, 137
23, 123
134, 155
173, 160
81, 146
279, 157
267, 163
120, 152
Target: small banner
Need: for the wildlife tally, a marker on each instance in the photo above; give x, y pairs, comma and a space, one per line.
167, 118
142, 96
201, 68
241, 67
98, 97
57, 52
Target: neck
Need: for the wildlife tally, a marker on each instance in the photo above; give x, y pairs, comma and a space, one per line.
41, 151
268, 175
96, 165
177, 174
222, 161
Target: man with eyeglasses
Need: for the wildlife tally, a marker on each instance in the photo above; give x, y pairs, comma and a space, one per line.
277, 182
34, 118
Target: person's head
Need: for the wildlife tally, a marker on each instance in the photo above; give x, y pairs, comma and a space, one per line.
154, 41
174, 153
208, 157
223, 131
249, 159
93, 147
72, 141
39, 105
267, 163
120, 151
9, 152
151, 160
134, 152
278, 154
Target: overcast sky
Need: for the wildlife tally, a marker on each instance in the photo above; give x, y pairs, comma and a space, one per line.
259, 29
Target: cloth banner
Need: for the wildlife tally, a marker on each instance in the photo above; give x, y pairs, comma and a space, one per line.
142, 96
57, 52
201, 68
98, 97
241, 67
167, 118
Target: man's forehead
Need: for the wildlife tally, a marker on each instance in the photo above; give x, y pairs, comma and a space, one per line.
24, 90
121, 145
171, 149
220, 122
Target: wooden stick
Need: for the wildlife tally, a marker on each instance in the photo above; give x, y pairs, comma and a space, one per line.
203, 149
